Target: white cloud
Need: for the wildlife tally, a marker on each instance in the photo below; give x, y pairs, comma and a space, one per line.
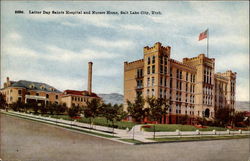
59, 82
237, 61
110, 44
14, 36
242, 89
133, 27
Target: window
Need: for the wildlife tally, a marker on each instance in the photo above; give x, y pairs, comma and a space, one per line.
147, 92
148, 60
148, 70
153, 92
165, 70
19, 91
153, 69
19, 99
153, 59
153, 81
28, 93
186, 76
37, 94
47, 96
148, 82
166, 60
160, 93
56, 96
161, 69
161, 81
161, 60
170, 72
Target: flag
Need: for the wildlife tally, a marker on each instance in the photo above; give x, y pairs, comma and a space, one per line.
203, 35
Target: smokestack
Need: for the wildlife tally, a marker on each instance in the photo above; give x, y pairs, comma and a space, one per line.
90, 78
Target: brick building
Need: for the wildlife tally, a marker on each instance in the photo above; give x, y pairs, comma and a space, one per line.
191, 86
28, 91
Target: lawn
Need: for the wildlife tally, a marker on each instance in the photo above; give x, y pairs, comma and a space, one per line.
198, 138
97, 121
173, 127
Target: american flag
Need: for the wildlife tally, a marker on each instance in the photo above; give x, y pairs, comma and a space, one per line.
203, 35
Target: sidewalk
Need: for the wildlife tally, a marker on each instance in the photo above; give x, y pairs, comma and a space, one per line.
136, 133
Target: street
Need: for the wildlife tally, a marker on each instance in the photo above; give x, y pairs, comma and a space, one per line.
27, 140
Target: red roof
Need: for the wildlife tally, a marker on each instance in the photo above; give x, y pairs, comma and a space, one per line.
79, 93
247, 114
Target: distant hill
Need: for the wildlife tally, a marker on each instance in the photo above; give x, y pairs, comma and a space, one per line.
113, 98
116, 98
242, 106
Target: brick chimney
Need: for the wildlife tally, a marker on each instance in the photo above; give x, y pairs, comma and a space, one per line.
90, 78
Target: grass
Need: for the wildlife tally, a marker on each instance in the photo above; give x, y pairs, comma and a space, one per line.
173, 127
199, 138
97, 121
84, 131
131, 141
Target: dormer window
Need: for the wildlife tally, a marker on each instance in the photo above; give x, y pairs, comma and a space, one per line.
32, 86
52, 89
42, 87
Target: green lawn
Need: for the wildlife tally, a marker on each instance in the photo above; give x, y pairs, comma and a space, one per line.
98, 121
173, 127
85, 131
199, 138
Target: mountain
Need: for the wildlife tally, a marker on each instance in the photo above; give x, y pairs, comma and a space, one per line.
242, 106
116, 98
113, 98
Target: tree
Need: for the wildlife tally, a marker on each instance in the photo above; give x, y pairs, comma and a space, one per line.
224, 116
238, 119
157, 108
113, 113
92, 109
74, 111
136, 110
3, 102
18, 106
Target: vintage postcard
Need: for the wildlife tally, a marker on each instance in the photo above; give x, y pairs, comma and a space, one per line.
124, 80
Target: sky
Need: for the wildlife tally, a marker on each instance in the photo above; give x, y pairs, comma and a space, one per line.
56, 48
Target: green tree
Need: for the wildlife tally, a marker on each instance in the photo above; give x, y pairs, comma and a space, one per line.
113, 113
136, 109
224, 116
92, 109
3, 102
74, 111
238, 118
157, 108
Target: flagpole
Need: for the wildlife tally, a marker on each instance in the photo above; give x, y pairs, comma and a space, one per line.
207, 41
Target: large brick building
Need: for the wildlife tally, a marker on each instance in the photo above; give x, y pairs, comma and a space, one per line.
28, 91
191, 86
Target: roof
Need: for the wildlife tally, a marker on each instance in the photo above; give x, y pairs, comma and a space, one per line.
79, 93
34, 86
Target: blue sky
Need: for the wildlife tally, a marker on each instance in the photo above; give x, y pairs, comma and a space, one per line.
55, 49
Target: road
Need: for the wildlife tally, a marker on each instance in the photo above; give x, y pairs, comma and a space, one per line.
26, 140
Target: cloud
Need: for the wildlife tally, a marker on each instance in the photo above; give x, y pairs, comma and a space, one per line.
242, 89
133, 27
60, 82
14, 36
234, 62
110, 44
